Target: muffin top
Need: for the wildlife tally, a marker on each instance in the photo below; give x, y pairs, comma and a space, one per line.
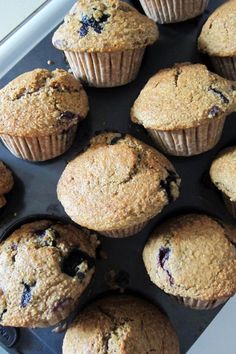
104, 25
117, 182
223, 172
193, 256
122, 325
184, 96
219, 32
44, 268
41, 102
6, 182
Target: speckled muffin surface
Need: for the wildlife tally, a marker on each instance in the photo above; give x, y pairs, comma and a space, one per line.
44, 268
40, 103
117, 182
6, 182
122, 325
219, 32
193, 256
184, 96
223, 172
107, 26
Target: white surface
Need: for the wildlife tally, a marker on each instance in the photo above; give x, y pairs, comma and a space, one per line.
14, 12
220, 335
31, 33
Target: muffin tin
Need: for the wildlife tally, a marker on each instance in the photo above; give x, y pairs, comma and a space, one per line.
35, 185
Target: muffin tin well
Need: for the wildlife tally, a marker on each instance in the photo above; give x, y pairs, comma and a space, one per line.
34, 191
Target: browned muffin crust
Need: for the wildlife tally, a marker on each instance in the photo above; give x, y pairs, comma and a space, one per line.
104, 26
121, 325
44, 268
118, 182
182, 97
6, 182
193, 256
41, 102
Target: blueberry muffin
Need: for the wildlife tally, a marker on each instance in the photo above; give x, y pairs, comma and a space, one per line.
117, 185
217, 39
184, 108
169, 11
104, 41
45, 266
121, 324
39, 113
223, 175
6, 183
193, 257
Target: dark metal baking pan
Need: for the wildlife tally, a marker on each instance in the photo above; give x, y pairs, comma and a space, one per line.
35, 183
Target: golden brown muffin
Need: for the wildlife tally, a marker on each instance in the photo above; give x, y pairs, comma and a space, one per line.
169, 11
39, 113
193, 257
121, 325
217, 39
44, 268
6, 183
184, 108
104, 41
117, 185
223, 175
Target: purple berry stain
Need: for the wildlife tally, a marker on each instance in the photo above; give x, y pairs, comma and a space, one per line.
97, 25
163, 257
27, 294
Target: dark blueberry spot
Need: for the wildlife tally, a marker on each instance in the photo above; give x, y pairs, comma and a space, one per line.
218, 93
164, 255
233, 87
80, 275
71, 263
40, 233
14, 247
116, 138
2, 314
83, 30
68, 115
166, 184
214, 112
87, 22
47, 237
27, 294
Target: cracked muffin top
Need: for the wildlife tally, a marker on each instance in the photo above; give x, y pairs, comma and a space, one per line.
41, 102
121, 324
223, 172
184, 96
219, 32
117, 182
193, 256
6, 183
44, 268
107, 25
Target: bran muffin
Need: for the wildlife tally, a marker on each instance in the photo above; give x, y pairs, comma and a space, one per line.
117, 185
217, 40
104, 41
193, 257
44, 268
169, 11
39, 113
6, 183
223, 175
121, 324
184, 108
